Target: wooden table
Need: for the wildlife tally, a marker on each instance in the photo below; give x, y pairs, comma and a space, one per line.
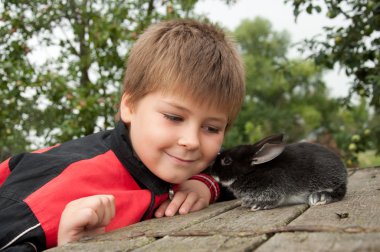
352, 224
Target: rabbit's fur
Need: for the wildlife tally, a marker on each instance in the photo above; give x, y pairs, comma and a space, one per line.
269, 173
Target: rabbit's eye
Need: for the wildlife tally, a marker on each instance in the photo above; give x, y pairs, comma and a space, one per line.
226, 161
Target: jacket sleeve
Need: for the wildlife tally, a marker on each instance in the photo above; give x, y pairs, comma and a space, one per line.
24, 247
19, 229
5, 170
223, 193
211, 183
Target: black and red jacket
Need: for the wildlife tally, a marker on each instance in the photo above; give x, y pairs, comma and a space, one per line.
35, 187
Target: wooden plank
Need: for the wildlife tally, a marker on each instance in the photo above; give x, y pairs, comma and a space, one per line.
358, 212
126, 236
110, 245
364, 181
243, 220
361, 206
320, 242
199, 244
236, 230
170, 224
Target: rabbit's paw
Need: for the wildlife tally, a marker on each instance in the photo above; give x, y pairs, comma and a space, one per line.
263, 206
247, 201
250, 202
319, 198
256, 205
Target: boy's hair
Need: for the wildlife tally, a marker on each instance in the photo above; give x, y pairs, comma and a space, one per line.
188, 58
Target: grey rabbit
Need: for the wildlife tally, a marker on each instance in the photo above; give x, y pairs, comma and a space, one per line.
270, 173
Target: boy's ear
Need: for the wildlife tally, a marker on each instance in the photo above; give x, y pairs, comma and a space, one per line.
125, 109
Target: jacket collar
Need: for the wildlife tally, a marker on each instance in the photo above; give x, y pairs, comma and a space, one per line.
122, 147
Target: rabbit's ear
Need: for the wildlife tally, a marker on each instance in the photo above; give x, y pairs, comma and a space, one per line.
267, 153
273, 139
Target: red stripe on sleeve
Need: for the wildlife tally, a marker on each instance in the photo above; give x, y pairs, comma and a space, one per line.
4, 171
211, 184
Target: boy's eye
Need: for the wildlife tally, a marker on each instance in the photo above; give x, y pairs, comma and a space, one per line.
212, 129
173, 118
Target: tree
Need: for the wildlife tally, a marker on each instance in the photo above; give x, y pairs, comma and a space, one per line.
355, 47
283, 95
73, 88
289, 96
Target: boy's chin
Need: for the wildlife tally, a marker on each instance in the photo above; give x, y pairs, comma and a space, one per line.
175, 180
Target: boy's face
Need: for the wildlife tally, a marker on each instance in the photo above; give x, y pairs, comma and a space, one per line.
174, 137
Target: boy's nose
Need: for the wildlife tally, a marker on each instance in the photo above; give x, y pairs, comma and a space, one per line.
190, 140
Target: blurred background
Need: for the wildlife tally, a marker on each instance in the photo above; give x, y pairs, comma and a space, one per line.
312, 68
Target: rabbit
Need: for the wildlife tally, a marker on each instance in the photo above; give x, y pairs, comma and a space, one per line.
270, 173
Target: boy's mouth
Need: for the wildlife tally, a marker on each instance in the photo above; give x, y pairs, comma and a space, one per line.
180, 159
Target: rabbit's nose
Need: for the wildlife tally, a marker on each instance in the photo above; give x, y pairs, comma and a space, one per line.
226, 161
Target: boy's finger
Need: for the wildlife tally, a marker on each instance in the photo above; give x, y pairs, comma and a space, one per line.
103, 207
190, 200
109, 210
199, 204
96, 231
160, 212
175, 204
113, 206
91, 216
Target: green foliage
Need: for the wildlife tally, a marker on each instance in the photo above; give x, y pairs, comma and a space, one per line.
368, 159
289, 96
354, 46
283, 95
352, 132
73, 88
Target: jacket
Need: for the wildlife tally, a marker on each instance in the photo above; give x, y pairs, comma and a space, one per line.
35, 187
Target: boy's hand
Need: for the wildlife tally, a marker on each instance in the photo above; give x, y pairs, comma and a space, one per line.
85, 216
193, 195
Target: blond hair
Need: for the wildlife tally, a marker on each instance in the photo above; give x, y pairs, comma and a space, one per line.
189, 58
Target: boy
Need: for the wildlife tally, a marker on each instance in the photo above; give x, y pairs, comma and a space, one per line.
183, 88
